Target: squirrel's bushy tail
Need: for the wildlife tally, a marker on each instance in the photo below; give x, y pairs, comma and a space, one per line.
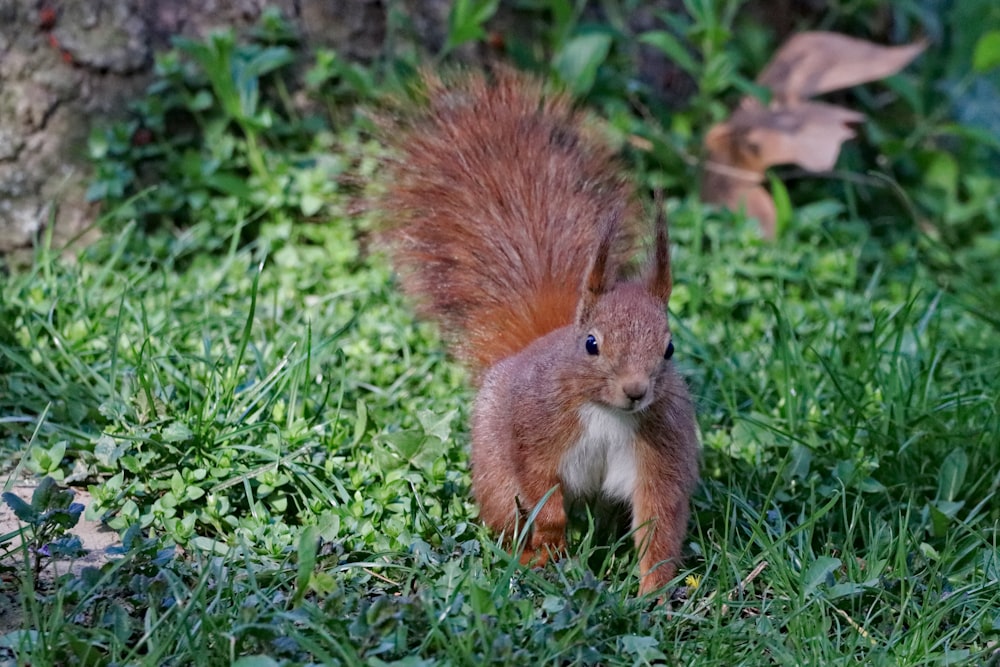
497, 200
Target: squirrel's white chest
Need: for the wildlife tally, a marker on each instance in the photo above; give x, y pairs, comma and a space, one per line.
603, 459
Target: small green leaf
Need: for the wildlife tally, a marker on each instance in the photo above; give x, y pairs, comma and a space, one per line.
248, 89
942, 172
177, 484
97, 191
481, 599
308, 546
466, 19
798, 467
850, 589
818, 572
579, 59
929, 552
200, 101
97, 144
177, 432
361, 423
119, 622
58, 452
311, 204
987, 53
782, 204
209, 545
269, 60
671, 47
46, 494
959, 656
229, 184
405, 443
939, 521
22, 510
107, 451
870, 485
256, 661
991, 563
324, 69
562, 19
436, 425
942, 512
645, 649
952, 474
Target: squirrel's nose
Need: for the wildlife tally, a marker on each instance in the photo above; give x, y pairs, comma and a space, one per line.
636, 389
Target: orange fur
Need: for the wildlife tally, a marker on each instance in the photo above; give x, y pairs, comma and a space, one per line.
497, 198
511, 226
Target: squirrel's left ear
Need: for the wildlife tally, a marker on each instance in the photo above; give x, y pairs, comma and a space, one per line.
659, 281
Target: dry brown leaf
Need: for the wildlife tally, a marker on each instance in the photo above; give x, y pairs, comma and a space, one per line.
791, 129
755, 138
813, 63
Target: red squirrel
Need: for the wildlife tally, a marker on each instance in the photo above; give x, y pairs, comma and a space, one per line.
511, 225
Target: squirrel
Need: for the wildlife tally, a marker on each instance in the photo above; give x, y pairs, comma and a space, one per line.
512, 226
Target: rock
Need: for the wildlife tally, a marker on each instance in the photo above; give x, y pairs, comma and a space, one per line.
105, 35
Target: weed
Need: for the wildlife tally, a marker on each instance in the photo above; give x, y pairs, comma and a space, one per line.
47, 520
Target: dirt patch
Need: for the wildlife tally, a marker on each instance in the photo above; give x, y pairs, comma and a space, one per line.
94, 536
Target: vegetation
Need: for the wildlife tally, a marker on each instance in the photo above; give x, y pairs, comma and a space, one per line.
232, 375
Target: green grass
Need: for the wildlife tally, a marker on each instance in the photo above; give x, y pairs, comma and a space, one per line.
284, 448
850, 424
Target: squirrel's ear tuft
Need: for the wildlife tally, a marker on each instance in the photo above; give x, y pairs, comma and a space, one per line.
660, 282
598, 280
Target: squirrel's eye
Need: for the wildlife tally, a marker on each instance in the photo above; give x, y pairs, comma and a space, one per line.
670, 350
592, 346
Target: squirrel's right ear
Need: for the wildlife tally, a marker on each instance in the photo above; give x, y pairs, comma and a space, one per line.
660, 283
598, 281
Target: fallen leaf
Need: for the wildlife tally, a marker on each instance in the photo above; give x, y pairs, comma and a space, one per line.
792, 129
813, 63
808, 134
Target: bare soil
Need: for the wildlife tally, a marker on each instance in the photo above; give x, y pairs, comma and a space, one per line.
94, 536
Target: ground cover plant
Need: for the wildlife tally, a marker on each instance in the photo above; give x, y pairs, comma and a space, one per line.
231, 374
